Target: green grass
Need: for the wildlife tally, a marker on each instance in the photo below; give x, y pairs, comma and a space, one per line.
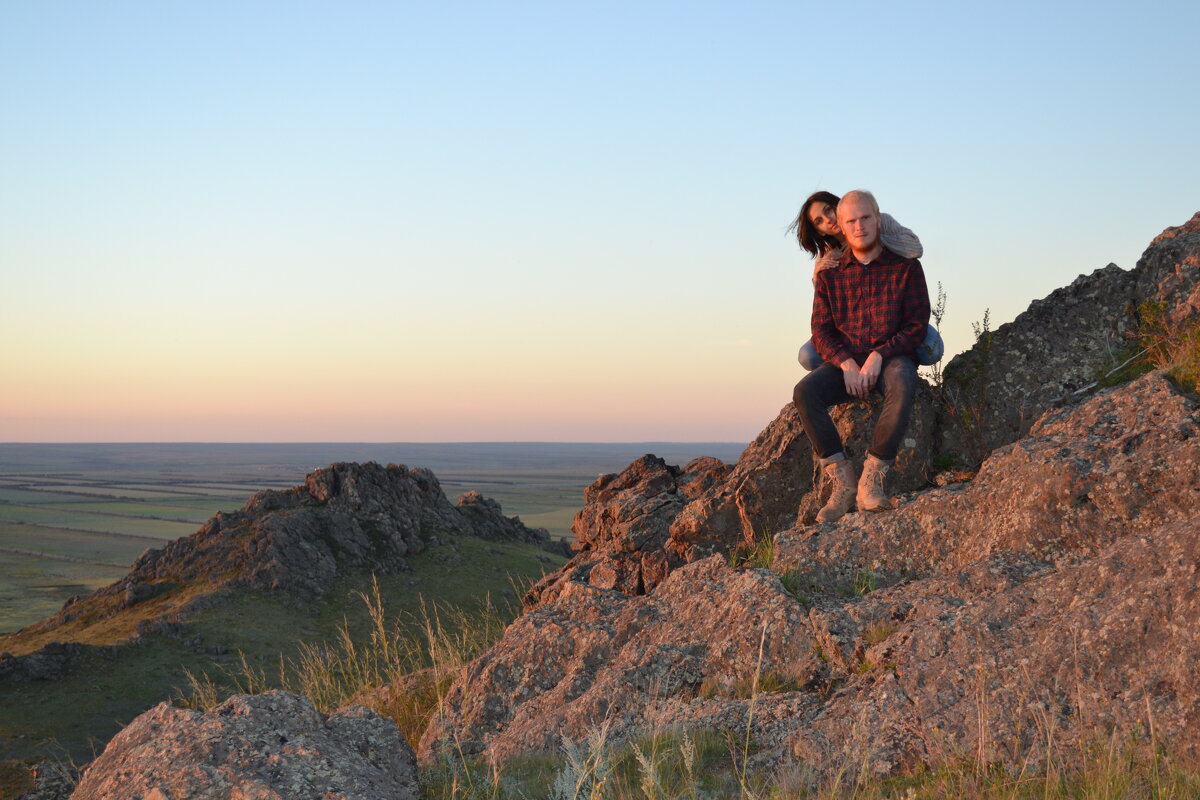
677, 765
1171, 345
33, 588
63, 505
759, 554
104, 693
84, 520
117, 549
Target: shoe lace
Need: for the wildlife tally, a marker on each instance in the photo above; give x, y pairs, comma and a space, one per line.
877, 476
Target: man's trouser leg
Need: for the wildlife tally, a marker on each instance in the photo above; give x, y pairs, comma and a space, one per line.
898, 385
823, 387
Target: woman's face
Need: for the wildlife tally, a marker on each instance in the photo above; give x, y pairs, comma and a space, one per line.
824, 218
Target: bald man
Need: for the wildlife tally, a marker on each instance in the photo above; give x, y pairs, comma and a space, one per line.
869, 317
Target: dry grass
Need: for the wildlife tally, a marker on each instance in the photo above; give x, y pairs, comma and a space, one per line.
400, 674
1171, 344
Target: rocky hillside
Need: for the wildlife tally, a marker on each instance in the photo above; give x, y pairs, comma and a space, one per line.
1029, 596
283, 571
344, 519
1047, 599
1056, 588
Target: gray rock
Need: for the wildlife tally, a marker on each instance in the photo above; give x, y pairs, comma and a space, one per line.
1063, 343
273, 745
489, 522
53, 780
638, 525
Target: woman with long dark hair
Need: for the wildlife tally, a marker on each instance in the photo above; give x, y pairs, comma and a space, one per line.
817, 232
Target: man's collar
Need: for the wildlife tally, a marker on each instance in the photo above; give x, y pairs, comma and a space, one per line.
885, 256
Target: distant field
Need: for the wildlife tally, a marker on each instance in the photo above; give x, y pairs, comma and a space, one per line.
73, 517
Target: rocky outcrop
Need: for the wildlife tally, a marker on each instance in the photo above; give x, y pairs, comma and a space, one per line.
345, 518
1054, 594
772, 486
1124, 462
625, 523
592, 655
1063, 343
487, 521
638, 525
273, 745
1011, 659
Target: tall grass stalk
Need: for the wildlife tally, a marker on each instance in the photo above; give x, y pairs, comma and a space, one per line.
1171, 344
430, 646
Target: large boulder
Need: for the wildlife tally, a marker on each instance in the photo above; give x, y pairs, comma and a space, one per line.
273, 746
592, 655
638, 525
624, 524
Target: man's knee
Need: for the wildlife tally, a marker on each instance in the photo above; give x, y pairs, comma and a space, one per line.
808, 392
901, 370
898, 377
798, 395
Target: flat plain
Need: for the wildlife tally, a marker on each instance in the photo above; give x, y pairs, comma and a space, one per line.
74, 516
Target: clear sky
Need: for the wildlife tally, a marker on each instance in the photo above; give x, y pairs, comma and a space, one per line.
466, 221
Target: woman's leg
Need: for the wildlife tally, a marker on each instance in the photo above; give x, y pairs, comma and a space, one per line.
932, 349
808, 357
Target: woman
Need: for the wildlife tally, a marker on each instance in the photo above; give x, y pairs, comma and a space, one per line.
817, 232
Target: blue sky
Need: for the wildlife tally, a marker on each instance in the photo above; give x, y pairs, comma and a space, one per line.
405, 222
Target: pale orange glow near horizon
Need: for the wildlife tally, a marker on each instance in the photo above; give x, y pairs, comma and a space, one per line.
354, 388
519, 225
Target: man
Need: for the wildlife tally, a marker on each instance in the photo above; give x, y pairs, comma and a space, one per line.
869, 317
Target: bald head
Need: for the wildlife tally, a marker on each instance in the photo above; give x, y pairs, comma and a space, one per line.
863, 194
858, 218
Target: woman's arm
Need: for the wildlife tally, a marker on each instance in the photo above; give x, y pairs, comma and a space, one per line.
899, 239
827, 260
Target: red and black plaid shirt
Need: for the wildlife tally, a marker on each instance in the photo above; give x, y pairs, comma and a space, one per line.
881, 306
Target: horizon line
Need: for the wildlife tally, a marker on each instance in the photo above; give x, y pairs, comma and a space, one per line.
332, 442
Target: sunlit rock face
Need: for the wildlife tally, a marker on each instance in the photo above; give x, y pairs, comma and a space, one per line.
1053, 590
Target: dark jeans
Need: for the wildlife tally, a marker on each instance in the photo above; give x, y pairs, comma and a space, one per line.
826, 386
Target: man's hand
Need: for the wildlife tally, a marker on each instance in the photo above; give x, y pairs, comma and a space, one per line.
871, 369
856, 382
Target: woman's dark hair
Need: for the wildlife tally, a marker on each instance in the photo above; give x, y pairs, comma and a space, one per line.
806, 234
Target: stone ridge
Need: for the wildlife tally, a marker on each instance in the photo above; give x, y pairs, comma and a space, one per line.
1064, 342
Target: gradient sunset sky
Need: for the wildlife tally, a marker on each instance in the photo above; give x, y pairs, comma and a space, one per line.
383, 222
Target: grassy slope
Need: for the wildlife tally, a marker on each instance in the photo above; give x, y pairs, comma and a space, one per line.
76, 715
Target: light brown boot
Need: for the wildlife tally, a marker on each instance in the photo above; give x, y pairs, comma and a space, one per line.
840, 474
871, 495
